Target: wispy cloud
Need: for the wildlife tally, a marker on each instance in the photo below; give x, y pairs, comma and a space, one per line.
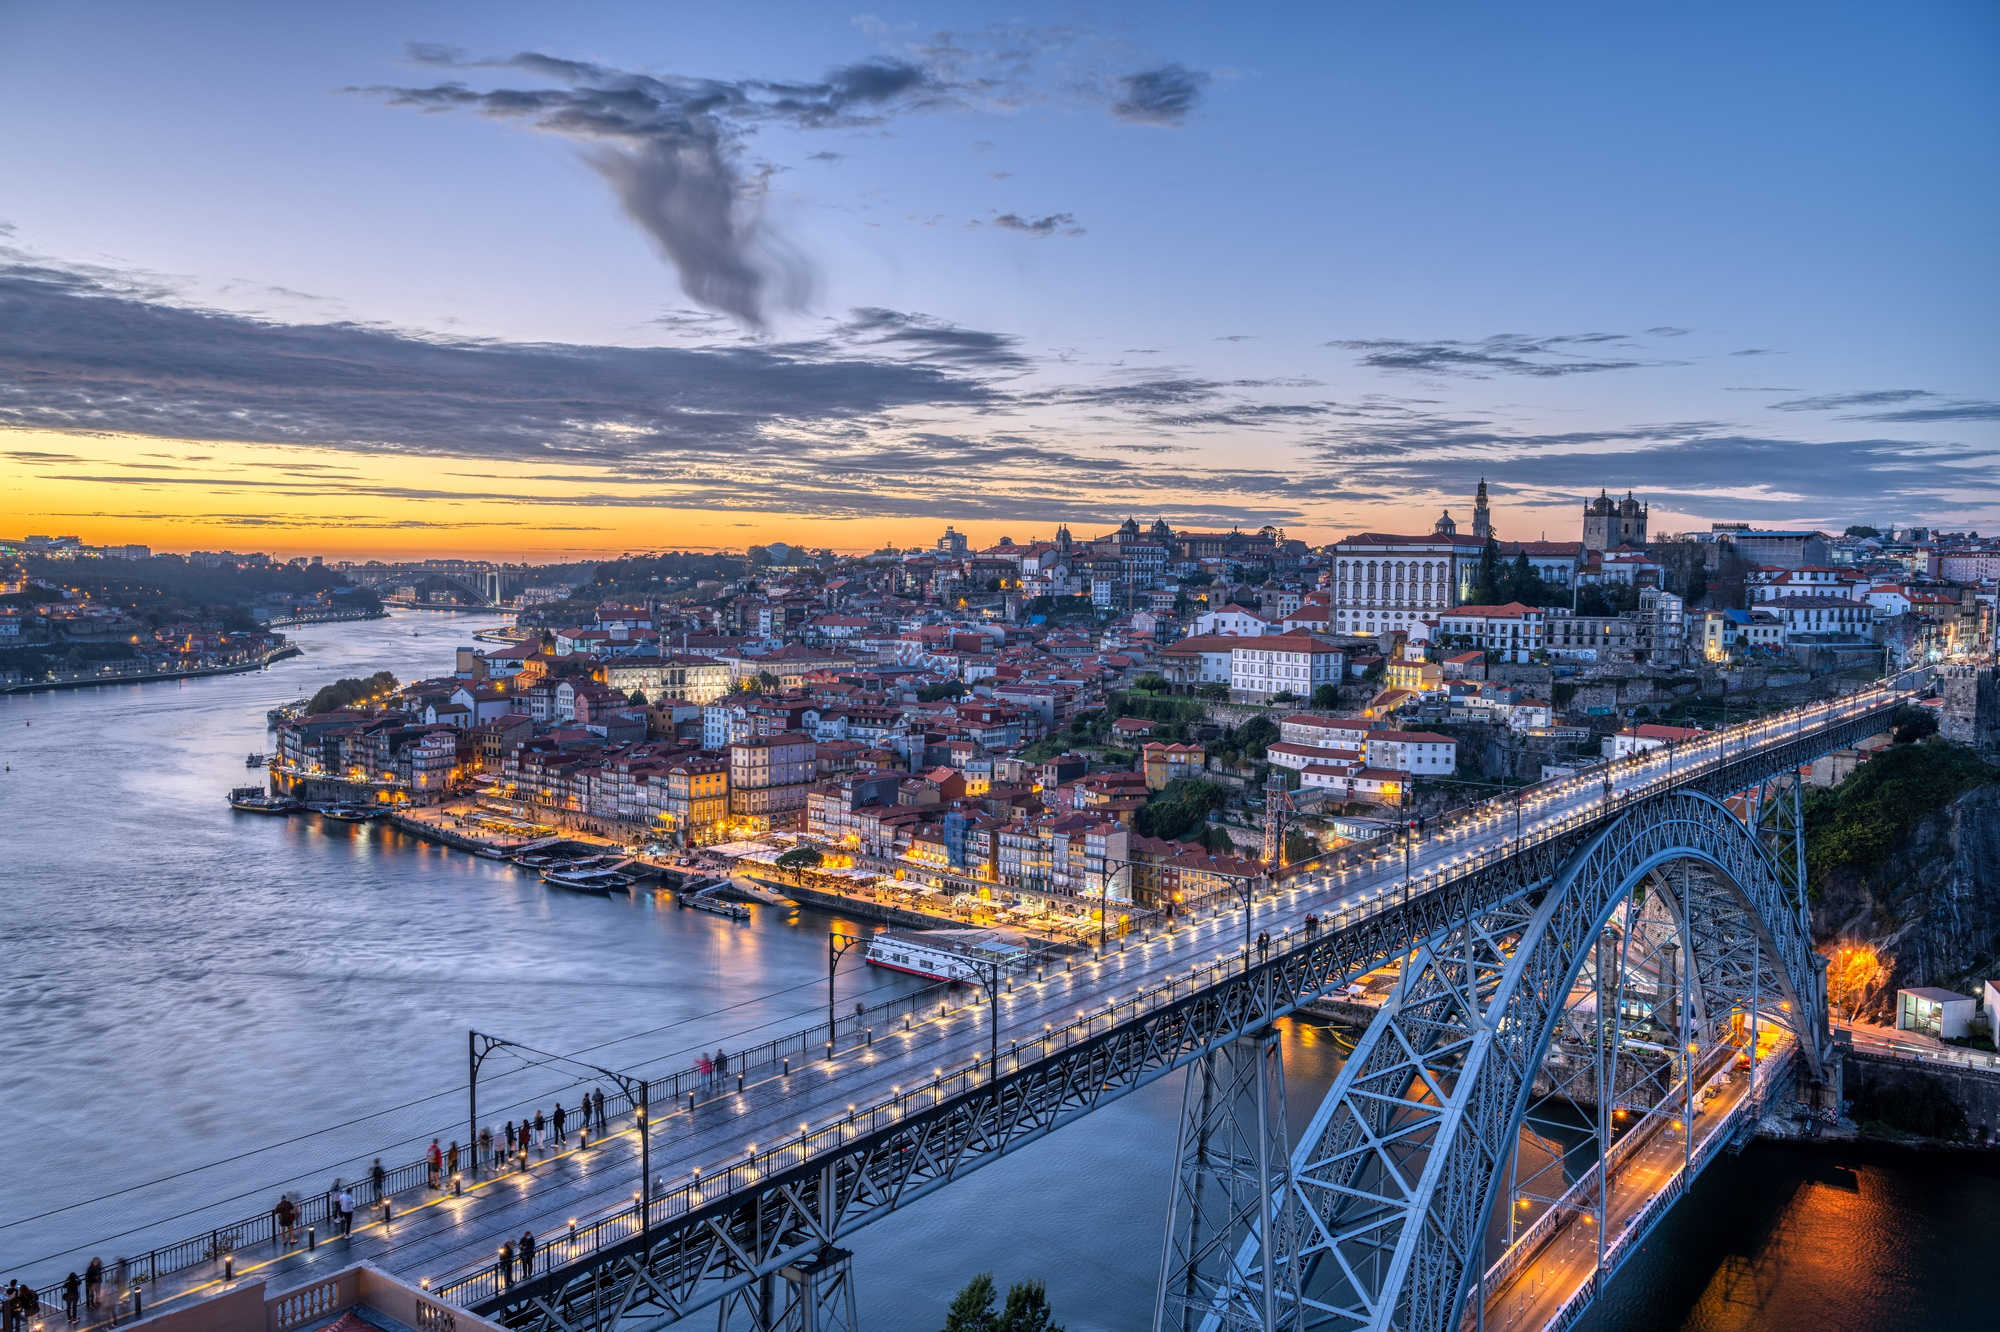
1936, 408
1501, 354
672, 147
1054, 223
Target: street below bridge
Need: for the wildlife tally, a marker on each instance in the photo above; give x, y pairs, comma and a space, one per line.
783, 1115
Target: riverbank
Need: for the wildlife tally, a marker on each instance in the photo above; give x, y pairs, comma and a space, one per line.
107, 677
331, 617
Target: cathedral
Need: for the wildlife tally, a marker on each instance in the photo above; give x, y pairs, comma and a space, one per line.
1610, 523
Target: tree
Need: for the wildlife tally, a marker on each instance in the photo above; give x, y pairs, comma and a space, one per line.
1326, 696
1153, 683
972, 1309
638, 698
800, 857
1284, 696
1863, 530
1028, 1309
768, 680
1214, 693
943, 689
1486, 585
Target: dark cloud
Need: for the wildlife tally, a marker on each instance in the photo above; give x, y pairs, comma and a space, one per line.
1039, 226
672, 147
1669, 331
671, 150
1162, 96
930, 339
1828, 402
1936, 408
1502, 354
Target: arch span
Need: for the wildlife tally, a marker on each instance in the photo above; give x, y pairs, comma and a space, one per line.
1397, 1176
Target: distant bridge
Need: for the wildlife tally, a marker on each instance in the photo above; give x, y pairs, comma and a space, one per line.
1603, 982
473, 584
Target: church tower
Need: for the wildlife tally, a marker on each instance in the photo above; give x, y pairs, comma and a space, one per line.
1482, 517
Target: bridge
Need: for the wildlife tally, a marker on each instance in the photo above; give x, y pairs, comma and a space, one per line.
474, 585
1601, 984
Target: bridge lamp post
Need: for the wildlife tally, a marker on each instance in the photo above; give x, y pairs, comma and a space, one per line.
837, 944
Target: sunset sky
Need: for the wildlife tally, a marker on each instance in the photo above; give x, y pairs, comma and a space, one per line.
548, 281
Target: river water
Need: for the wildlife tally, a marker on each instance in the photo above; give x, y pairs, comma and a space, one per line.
202, 1007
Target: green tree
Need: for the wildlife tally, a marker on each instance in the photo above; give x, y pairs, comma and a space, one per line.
1153, 683
1486, 584
1214, 693
943, 689
1326, 696
1284, 696
800, 857
1863, 530
972, 1309
638, 698
1028, 1309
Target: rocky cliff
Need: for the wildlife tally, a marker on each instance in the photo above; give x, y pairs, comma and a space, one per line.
1906, 858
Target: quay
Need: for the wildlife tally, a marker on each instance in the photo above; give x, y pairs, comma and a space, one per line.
113, 673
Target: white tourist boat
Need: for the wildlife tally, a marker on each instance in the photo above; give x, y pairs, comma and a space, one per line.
946, 955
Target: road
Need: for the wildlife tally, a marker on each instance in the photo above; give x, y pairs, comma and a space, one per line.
439, 1239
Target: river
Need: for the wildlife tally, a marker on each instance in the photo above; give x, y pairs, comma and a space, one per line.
202, 1007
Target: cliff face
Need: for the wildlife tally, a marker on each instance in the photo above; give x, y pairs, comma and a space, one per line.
1932, 903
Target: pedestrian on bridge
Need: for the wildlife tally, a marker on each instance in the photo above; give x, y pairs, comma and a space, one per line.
287, 1217
1312, 924
527, 1251
486, 1147
344, 1201
93, 1283
508, 1148
541, 1130
72, 1292
598, 1096
507, 1263
376, 1176
451, 1160
722, 1068
434, 1162
706, 1067
558, 1118
1263, 944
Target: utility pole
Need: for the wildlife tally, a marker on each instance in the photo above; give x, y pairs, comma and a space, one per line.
837, 944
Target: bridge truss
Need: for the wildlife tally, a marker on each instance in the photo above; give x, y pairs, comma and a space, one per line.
1379, 1223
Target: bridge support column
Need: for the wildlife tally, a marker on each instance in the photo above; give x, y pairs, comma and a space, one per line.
1232, 1200
812, 1294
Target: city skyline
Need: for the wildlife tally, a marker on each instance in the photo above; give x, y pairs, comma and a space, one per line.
489, 283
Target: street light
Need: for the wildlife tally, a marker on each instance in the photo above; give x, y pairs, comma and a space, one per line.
837, 944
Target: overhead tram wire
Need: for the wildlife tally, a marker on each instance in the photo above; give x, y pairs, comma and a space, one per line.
376, 1114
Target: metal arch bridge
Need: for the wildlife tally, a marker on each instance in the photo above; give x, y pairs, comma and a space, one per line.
1381, 1219
1583, 969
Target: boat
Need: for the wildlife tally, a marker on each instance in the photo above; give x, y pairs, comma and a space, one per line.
256, 800
351, 813
946, 955
253, 761
598, 882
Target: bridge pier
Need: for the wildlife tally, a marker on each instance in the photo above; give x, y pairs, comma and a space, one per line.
1231, 1195
813, 1294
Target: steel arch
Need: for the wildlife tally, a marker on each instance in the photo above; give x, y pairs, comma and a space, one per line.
1396, 1177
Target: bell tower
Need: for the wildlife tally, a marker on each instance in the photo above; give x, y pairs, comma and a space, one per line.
1482, 517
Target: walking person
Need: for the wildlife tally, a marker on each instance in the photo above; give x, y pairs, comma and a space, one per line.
562, 1139
286, 1217
72, 1293
527, 1254
1263, 944
345, 1202
451, 1160
507, 1263
376, 1176
121, 1275
93, 1283
509, 1148
434, 1162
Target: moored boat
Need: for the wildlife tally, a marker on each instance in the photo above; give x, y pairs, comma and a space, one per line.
599, 882
351, 813
946, 955
256, 800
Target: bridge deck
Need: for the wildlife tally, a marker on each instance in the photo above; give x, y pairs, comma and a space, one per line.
452, 1241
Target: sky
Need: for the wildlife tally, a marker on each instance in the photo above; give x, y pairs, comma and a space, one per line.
551, 281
